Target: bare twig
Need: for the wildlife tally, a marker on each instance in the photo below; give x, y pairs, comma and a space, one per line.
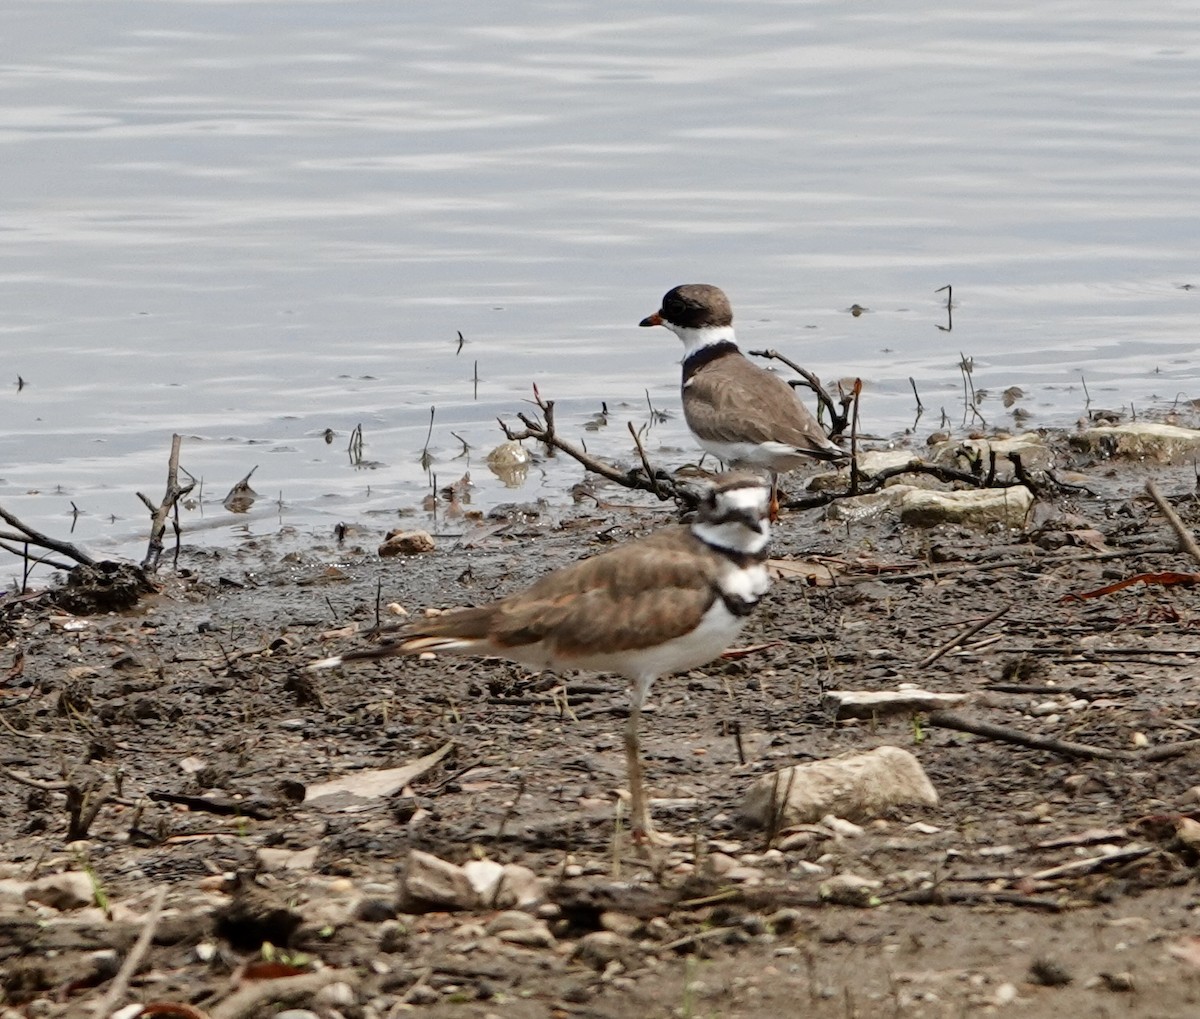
637, 441
159, 514
838, 420
116, 991
961, 636
854, 473
28, 534
920, 406
1006, 734
657, 482
1187, 541
951, 720
1092, 863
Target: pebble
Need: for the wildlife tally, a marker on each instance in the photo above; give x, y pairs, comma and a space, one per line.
849, 890
797, 840
519, 928
373, 910
337, 994
841, 827
1005, 994
422, 994
719, 864
599, 948
620, 923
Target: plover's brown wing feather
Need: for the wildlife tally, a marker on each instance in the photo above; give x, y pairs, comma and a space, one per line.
633, 597
732, 400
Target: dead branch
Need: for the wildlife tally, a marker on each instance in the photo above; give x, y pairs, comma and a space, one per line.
33, 537
1078, 867
838, 420
973, 897
116, 991
1187, 541
1005, 734
159, 513
645, 479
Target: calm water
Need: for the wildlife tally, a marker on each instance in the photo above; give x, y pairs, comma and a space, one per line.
252, 222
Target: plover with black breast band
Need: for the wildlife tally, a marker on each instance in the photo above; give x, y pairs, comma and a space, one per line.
744, 415
669, 602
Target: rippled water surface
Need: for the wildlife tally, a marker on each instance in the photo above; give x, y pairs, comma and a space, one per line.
252, 222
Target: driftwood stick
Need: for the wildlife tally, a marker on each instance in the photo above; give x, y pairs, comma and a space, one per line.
1187, 541
45, 541
160, 513
116, 991
962, 635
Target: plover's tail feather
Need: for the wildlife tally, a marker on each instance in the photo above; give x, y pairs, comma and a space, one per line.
408, 646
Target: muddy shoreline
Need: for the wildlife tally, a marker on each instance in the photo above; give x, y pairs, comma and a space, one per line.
190, 717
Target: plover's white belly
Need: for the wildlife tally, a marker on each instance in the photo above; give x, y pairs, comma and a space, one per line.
769, 456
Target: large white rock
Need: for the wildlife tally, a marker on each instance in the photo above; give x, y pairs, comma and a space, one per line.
920, 507
972, 507
1140, 440
857, 785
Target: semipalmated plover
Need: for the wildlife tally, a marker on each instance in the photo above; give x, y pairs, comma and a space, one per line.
744, 415
669, 602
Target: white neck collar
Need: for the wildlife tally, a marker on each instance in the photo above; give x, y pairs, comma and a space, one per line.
698, 339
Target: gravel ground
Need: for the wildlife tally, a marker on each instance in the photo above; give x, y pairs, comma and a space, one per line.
188, 731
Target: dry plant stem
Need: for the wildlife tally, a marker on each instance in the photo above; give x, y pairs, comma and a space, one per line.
963, 635
116, 991
159, 513
251, 999
1187, 541
33, 537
